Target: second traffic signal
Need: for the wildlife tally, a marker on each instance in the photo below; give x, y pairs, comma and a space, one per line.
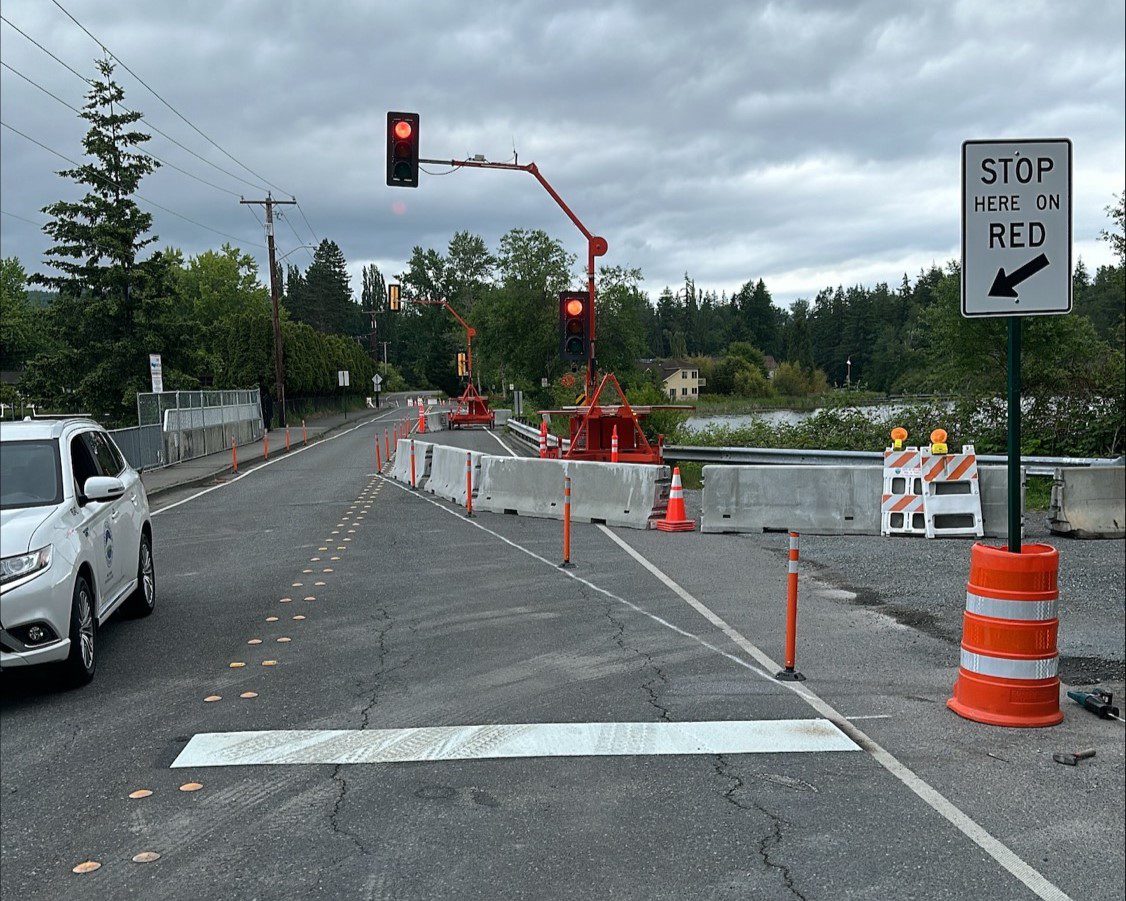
393, 297
462, 364
574, 326
402, 150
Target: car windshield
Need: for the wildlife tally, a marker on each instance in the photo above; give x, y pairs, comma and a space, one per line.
29, 474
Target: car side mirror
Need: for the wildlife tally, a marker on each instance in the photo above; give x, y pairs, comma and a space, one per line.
103, 488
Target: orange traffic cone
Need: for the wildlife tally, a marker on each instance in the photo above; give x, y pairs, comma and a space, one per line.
676, 518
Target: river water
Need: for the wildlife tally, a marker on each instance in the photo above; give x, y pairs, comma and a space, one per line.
785, 417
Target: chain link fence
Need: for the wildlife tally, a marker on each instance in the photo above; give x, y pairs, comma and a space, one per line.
174, 426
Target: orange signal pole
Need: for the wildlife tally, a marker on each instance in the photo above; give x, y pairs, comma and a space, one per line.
789, 674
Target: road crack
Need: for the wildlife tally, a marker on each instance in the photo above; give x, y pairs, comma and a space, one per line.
769, 843
653, 686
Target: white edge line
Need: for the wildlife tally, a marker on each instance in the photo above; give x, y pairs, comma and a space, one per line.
501, 443
265, 463
995, 848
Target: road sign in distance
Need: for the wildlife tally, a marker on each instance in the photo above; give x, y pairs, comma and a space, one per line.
1016, 227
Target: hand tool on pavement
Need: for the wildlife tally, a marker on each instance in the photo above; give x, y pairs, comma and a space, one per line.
1073, 759
1098, 702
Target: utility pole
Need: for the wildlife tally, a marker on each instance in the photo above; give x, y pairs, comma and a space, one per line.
275, 299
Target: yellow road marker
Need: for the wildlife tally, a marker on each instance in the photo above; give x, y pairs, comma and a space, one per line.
311, 597
342, 548
238, 664
347, 539
271, 619
191, 786
284, 639
87, 866
249, 694
297, 584
269, 663
140, 793
286, 600
333, 558
254, 641
322, 549
299, 617
212, 698
327, 569
318, 584
314, 559
146, 857
306, 570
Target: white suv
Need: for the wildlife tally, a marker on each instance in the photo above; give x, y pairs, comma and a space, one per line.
75, 542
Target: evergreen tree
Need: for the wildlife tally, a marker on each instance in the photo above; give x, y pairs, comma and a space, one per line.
322, 296
112, 307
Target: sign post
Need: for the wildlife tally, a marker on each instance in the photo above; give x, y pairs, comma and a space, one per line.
1016, 255
376, 387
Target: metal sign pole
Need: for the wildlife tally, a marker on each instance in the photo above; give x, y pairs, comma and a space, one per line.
1014, 436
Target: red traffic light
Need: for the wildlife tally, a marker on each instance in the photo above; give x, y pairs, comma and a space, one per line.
403, 130
574, 307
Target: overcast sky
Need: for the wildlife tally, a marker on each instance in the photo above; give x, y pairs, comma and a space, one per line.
806, 143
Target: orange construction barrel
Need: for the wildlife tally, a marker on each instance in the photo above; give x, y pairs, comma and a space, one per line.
1008, 673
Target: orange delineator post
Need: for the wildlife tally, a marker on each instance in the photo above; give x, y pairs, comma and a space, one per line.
789, 674
414, 481
543, 439
421, 419
386, 445
266, 445
468, 483
287, 439
566, 564
614, 445
378, 461
304, 433
234, 456
1009, 671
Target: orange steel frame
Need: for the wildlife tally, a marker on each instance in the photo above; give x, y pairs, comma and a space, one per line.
473, 407
592, 424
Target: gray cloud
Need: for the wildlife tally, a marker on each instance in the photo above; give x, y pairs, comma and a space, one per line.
805, 143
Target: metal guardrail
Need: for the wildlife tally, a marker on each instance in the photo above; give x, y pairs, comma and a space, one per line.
774, 456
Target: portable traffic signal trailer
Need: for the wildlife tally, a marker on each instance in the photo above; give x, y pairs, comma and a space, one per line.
472, 409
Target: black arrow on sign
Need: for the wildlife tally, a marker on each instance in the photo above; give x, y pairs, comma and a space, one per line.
1005, 285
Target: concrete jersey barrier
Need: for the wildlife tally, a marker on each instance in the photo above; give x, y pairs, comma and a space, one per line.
618, 494
1089, 502
447, 472
401, 469
820, 500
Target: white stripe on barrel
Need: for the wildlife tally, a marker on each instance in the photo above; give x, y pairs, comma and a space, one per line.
999, 608
1008, 667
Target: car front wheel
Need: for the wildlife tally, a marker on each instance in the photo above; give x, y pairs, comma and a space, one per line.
143, 600
80, 665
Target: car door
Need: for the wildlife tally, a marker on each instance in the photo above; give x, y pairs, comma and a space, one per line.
94, 527
124, 534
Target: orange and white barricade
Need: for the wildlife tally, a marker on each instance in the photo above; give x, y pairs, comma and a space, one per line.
902, 503
951, 494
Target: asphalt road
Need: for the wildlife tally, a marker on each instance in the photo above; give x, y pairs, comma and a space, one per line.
427, 619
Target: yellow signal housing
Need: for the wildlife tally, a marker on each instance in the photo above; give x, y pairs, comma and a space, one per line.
462, 364
394, 300
938, 441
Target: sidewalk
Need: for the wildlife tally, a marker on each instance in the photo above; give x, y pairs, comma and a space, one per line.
204, 469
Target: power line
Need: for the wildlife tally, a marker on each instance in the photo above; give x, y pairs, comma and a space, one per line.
23, 219
300, 241
308, 225
159, 131
152, 91
115, 184
163, 162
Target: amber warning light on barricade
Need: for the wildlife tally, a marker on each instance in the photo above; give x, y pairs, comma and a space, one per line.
402, 150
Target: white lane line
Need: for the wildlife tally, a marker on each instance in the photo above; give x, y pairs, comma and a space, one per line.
570, 574
348, 746
501, 443
266, 463
995, 848
869, 716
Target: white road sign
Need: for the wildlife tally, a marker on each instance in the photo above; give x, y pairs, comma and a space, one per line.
156, 370
1016, 227
377, 381
343, 378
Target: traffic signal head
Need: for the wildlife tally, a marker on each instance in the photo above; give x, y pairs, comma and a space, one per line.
402, 150
574, 326
393, 297
462, 364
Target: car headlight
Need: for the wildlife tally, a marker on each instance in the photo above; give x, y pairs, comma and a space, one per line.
12, 568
